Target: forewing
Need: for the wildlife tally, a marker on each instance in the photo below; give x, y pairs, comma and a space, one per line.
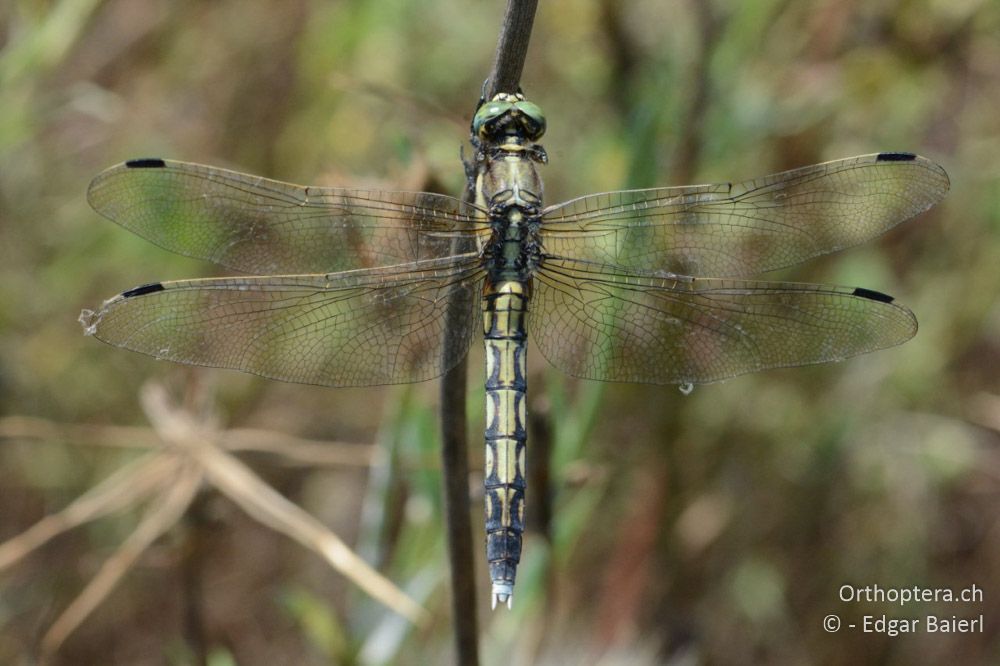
261, 226
628, 328
352, 329
732, 230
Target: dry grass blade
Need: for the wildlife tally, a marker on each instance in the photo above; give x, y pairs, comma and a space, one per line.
984, 409
269, 507
129, 437
186, 451
163, 513
238, 482
299, 450
126, 486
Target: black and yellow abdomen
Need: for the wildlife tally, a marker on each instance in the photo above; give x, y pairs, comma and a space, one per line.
504, 308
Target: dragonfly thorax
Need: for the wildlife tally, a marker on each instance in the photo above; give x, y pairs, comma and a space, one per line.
509, 188
513, 251
508, 178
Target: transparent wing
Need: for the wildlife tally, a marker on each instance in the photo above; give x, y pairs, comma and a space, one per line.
629, 328
262, 226
740, 229
360, 328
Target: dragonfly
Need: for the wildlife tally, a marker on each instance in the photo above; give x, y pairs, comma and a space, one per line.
352, 287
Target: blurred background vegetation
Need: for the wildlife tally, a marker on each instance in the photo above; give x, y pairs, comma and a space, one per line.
712, 528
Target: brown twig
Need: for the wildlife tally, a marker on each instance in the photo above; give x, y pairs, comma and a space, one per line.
455, 467
512, 47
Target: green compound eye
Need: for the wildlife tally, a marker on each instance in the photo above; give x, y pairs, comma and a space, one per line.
486, 114
533, 119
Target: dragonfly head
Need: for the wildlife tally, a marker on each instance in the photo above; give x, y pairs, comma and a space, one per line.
508, 115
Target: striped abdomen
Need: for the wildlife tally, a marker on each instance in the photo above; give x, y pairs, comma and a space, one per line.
504, 306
